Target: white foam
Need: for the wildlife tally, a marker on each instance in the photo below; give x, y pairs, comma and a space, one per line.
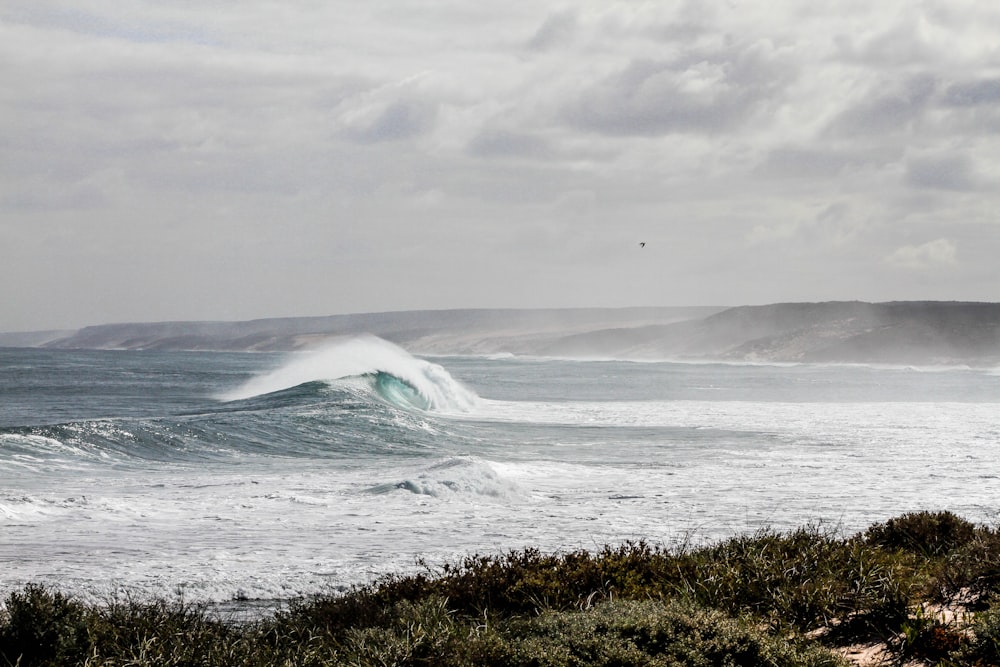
456, 477
765, 416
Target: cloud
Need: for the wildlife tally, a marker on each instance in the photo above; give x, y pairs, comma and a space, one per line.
832, 228
937, 253
712, 90
401, 119
262, 146
944, 172
887, 107
509, 143
815, 162
982, 92
901, 43
557, 30
130, 25
33, 193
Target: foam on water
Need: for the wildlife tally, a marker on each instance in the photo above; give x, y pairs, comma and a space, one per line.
456, 477
921, 423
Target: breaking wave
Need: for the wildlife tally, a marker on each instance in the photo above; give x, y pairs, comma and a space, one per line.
455, 477
397, 376
360, 397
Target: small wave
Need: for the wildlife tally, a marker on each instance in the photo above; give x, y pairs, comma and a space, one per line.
37, 451
25, 508
455, 477
113, 442
398, 376
30, 443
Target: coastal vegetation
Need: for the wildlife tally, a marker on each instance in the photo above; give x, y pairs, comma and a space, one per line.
920, 589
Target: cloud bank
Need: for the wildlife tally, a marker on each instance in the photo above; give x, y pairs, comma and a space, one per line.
219, 161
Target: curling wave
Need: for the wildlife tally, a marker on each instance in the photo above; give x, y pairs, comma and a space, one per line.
398, 376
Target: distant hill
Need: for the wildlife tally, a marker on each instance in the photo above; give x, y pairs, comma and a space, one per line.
905, 332
470, 331
32, 338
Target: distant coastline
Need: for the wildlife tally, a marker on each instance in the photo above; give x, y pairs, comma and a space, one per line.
902, 332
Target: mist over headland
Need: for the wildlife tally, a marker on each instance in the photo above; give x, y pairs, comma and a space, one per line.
909, 332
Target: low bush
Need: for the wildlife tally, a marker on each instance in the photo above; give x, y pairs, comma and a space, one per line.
623, 633
971, 570
984, 645
128, 631
929, 638
927, 534
43, 628
805, 579
629, 632
749, 600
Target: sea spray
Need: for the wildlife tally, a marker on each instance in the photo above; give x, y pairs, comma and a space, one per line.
367, 356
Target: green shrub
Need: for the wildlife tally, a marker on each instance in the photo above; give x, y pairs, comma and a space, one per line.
43, 628
927, 534
156, 632
418, 634
518, 582
805, 578
928, 638
625, 633
984, 646
972, 569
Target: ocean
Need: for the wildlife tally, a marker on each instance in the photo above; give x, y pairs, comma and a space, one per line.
252, 478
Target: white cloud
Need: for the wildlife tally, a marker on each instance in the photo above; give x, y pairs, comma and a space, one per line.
367, 145
710, 91
558, 29
887, 107
948, 172
940, 252
831, 228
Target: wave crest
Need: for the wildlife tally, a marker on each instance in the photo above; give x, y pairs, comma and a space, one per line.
398, 376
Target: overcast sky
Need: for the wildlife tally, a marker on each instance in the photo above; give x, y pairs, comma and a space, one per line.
234, 160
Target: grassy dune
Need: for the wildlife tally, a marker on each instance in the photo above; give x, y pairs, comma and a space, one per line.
918, 589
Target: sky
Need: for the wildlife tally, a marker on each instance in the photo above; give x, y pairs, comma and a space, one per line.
234, 160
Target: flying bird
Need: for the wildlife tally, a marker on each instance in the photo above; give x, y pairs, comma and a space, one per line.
642, 244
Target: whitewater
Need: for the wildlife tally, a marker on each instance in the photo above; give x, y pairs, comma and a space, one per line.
244, 479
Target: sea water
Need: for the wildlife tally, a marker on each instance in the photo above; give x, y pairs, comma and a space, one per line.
246, 477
